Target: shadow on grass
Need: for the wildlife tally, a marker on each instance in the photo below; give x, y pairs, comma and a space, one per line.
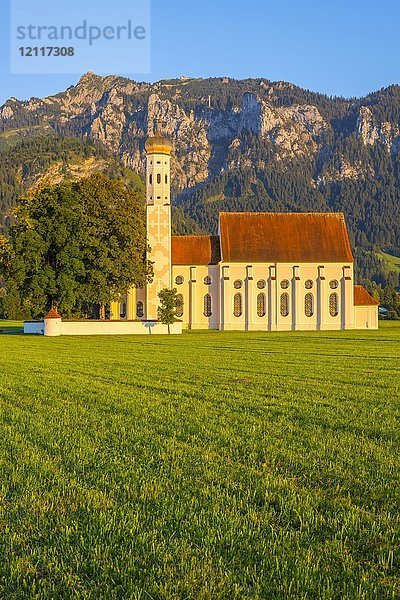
11, 328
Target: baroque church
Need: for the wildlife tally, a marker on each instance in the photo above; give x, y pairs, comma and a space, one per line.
263, 271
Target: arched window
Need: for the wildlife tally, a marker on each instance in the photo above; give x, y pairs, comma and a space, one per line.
207, 305
151, 179
237, 305
309, 305
122, 310
179, 311
334, 304
139, 309
158, 177
166, 178
261, 305
284, 304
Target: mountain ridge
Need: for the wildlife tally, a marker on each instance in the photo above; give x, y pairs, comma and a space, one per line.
249, 144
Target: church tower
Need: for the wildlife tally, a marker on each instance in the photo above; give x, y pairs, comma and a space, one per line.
158, 218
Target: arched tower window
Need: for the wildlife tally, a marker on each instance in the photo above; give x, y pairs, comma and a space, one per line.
166, 178
158, 177
207, 305
151, 179
261, 305
122, 310
139, 309
179, 311
309, 305
334, 304
237, 305
284, 304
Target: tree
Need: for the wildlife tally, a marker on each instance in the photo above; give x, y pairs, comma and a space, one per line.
170, 301
74, 245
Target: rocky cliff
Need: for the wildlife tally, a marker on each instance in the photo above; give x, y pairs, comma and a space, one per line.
253, 143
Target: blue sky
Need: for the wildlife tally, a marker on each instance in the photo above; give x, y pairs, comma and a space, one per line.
337, 47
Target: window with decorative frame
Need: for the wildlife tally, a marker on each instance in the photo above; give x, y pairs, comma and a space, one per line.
207, 280
261, 283
334, 284
284, 304
309, 284
261, 305
285, 284
179, 311
139, 309
237, 284
334, 304
237, 305
309, 305
207, 306
179, 280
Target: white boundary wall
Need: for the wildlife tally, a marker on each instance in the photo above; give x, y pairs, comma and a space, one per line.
100, 327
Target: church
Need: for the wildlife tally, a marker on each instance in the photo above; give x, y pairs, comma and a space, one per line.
262, 272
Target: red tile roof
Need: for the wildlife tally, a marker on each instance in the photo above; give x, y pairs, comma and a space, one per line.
362, 298
195, 250
52, 314
284, 237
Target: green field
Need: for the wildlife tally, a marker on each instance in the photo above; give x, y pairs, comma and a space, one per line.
391, 262
208, 465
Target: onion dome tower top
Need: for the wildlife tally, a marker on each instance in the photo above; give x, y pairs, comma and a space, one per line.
158, 144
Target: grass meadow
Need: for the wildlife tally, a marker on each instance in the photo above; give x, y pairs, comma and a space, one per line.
209, 465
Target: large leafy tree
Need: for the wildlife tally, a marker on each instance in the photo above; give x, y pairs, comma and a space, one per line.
74, 245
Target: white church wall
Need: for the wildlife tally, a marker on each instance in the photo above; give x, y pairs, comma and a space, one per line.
366, 317
194, 289
295, 282
233, 310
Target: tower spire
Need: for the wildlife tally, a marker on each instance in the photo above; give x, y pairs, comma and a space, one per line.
158, 217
